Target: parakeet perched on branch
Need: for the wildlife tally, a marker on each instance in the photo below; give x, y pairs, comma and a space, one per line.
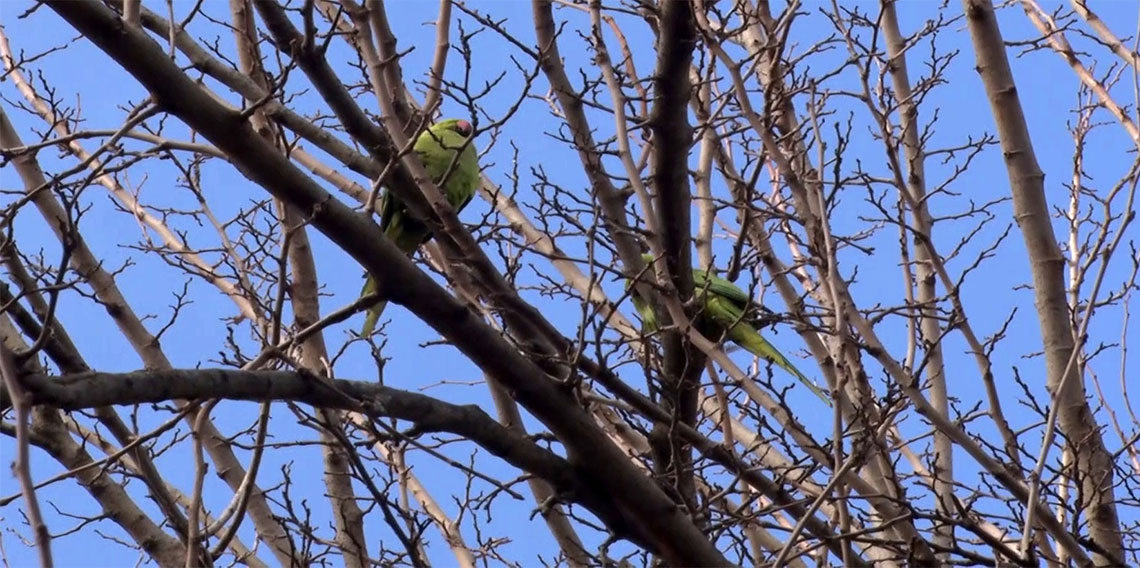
728, 308
437, 148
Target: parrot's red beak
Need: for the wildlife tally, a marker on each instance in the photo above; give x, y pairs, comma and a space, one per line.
463, 127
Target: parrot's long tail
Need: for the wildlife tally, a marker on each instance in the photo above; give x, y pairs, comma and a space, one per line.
373, 314
755, 344
372, 317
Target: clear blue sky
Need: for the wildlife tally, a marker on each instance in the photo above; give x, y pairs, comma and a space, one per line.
83, 77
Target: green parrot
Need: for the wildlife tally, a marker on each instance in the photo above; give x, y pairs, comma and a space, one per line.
728, 307
437, 147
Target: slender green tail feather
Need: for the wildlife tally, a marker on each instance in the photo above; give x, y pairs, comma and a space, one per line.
755, 344
373, 317
373, 314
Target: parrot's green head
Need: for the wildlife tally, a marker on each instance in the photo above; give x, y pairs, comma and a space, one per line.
456, 125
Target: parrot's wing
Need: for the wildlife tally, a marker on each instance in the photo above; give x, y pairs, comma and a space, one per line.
469, 192
722, 309
463, 182
755, 312
702, 280
388, 206
405, 231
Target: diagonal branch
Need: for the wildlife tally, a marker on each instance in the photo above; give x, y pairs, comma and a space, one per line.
650, 516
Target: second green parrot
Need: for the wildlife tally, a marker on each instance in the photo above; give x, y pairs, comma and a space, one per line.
437, 148
728, 310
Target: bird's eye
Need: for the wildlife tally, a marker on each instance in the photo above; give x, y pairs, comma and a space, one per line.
463, 127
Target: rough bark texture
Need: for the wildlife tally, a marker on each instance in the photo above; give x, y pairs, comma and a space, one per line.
1094, 464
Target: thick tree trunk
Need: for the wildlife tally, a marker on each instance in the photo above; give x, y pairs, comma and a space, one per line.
1094, 465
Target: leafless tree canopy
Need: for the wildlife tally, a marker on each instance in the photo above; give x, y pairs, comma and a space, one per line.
938, 212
